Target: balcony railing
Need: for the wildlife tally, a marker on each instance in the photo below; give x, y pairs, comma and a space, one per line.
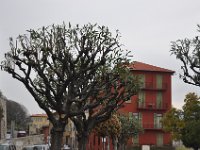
152, 126
152, 106
153, 86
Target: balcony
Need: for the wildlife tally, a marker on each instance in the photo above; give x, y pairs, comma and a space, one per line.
152, 126
152, 106
153, 86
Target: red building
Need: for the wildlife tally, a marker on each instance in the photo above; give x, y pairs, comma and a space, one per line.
148, 107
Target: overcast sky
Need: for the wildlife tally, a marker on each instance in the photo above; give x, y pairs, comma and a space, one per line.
147, 28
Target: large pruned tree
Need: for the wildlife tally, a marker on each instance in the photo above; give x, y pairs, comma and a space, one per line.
74, 72
188, 52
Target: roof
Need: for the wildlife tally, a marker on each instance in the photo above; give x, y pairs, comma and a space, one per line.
139, 66
39, 115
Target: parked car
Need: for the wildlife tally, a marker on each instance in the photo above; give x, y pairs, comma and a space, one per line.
7, 147
21, 133
65, 147
36, 147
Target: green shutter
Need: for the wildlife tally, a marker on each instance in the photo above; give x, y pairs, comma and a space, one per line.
159, 82
159, 139
142, 80
159, 100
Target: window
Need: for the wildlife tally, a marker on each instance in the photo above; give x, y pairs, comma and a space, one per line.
157, 121
137, 117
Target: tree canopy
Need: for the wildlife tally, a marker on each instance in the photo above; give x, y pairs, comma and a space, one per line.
76, 71
184, 124
15, 112
188, 52
110, 127
173, 122
18, 113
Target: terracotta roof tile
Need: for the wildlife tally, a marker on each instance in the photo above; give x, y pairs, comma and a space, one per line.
139, 66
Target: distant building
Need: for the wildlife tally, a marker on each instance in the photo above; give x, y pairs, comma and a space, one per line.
40, 125
3, 122
38, 121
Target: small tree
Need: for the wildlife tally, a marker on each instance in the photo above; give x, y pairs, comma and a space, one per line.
188, 52
173, 122
185, 124
129, 127
191, 112
72, 71
110, 128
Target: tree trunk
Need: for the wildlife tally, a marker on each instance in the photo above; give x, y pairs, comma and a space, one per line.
56, 138
82, 140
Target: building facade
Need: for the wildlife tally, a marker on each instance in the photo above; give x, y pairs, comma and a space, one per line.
38, 122
150, 104
147, 107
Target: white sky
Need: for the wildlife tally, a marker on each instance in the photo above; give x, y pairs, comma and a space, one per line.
147, 28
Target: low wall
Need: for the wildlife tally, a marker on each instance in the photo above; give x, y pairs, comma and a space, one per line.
25, 141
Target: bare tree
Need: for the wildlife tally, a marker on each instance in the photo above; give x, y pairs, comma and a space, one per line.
188, 52
76, 72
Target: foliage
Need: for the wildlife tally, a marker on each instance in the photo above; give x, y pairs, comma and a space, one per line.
110, 127
15, 112
1, 95
173, 122
188, 52
18, 113
191, 134
185, 124
72, 71
191, 112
